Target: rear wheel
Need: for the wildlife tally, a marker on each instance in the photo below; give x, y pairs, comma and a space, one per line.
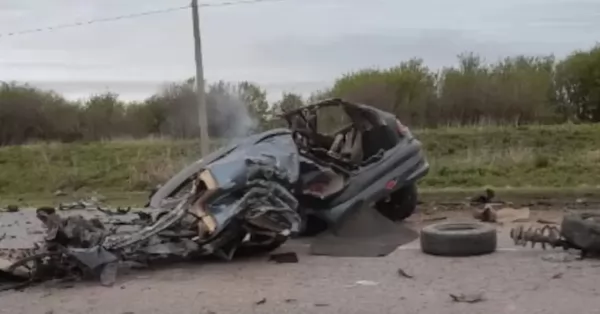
400, 205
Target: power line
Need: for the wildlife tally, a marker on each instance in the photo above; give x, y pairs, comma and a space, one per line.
130, 16
229, 3
101, 20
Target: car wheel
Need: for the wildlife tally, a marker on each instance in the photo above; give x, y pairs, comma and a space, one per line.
458, 239
400, 205
312, 226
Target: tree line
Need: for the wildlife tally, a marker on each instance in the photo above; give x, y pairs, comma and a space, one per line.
514, 91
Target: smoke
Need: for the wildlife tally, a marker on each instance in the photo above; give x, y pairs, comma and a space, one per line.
228, 113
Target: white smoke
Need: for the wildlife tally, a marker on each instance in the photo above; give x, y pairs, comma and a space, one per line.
228, 113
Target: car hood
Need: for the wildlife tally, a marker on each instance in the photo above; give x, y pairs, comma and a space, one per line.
236, 162
271, 155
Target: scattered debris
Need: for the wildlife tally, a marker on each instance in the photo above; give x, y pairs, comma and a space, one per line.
90, 203
2, 237
290, 301
487, 214
289, 257
484, 198
321, 304
59, 193
71, 206
503, 215
402, 273
509, 214
119, 211
557, 276
363, 283
468, 298
544, 235
579, 231
261, 301
547, 222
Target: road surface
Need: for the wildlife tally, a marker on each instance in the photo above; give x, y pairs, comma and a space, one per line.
513, 280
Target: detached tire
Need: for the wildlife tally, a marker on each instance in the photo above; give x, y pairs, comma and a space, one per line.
401, 204
458, 239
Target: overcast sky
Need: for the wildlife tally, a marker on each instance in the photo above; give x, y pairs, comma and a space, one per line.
294, 45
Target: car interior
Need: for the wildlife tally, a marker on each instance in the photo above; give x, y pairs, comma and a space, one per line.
332, 158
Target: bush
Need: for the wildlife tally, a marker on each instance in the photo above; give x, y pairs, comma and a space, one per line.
518, 90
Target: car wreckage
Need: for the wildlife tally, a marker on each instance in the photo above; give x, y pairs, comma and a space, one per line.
252, 195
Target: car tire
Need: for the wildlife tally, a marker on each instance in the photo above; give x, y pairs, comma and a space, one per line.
401, 203
458, 239
582, 230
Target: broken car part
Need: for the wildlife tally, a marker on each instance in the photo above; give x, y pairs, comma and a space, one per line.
458, 239
580, 231
373, 159
281, 258
468, 298
403, 273
546, 235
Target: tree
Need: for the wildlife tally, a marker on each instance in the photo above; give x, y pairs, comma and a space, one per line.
408, 90
578, 78
28, 113
289, 101
103, 116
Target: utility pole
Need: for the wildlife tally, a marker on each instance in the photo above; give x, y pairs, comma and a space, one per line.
200, 93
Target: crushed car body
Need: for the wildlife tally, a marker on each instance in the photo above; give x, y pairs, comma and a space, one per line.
257, 192
375, 158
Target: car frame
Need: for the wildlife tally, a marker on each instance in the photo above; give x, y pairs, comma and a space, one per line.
386, 177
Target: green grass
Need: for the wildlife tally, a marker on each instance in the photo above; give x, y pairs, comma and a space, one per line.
563, 156
524, 157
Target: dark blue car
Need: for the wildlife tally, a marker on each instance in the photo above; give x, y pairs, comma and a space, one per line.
259, 191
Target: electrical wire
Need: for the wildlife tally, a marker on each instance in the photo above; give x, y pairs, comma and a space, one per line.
230, 3
130, 16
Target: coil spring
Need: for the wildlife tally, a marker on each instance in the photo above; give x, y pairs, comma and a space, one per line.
546, 235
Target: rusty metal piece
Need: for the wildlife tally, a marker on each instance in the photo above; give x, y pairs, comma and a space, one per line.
546, 235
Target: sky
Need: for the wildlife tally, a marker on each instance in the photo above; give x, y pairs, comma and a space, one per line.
294, 45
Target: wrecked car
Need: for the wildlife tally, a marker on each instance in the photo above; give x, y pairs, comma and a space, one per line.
254, 194
301, 180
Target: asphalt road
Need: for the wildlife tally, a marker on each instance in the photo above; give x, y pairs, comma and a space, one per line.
513, 280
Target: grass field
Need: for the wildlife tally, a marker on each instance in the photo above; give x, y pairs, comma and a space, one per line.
529, 157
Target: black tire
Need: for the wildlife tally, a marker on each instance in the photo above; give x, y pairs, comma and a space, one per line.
458, 239
400, 205
582, 230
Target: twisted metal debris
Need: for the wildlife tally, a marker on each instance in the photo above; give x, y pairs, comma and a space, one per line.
546, 235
